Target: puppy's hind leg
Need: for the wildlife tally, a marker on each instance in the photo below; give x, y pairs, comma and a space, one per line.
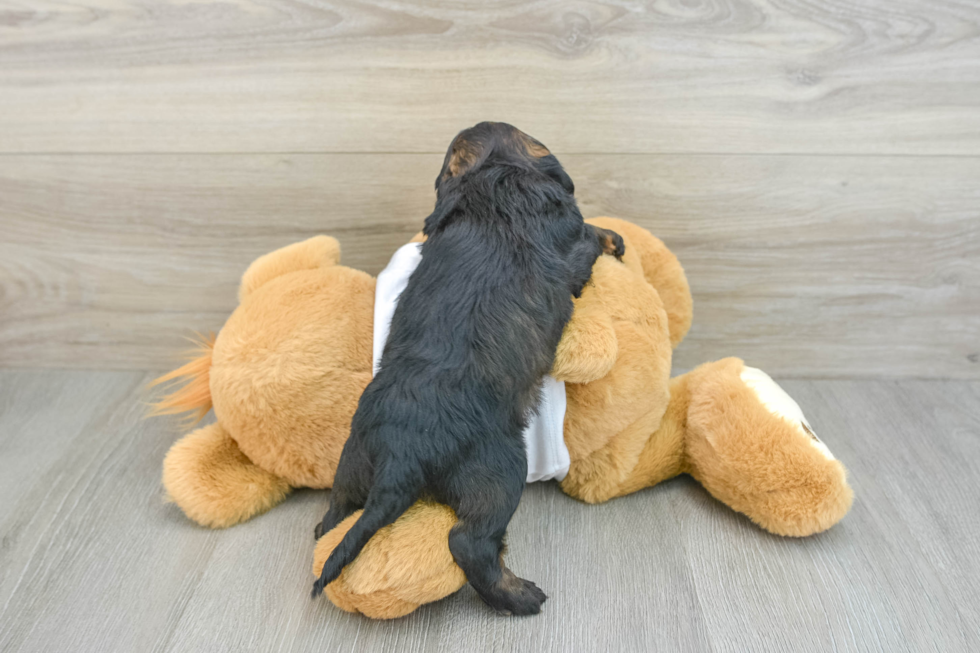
484, 505
396, 488
351, 485
342, 506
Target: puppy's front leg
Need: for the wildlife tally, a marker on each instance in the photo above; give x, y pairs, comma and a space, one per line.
597, 241
610, 241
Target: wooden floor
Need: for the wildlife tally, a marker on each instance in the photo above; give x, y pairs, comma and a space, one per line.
92, 559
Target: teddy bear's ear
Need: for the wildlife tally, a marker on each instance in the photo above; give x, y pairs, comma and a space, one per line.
310, 254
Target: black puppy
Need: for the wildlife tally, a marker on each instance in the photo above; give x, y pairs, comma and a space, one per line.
473, 334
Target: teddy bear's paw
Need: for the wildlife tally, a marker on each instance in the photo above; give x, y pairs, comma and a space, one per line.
214, 483
780, 404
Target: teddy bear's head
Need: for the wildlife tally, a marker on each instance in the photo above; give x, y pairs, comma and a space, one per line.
292, 360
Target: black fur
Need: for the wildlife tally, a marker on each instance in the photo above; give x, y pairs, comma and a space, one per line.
472, 336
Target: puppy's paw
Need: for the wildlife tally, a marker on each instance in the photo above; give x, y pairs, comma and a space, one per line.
318, 530
612, 243
517, 597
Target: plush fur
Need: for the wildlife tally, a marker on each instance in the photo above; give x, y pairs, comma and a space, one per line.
627, 426
215, 483
794, 488
474, 334
195, 375
297, 356
378, 581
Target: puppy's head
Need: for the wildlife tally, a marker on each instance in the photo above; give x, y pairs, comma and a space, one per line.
497, 143
493, 147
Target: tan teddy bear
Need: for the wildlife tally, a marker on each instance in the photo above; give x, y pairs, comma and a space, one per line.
285, 373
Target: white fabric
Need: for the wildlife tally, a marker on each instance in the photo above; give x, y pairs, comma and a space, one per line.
544, 441
777, 402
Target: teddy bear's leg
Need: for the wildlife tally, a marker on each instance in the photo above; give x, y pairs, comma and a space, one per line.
214, 483
751, 447
403, 566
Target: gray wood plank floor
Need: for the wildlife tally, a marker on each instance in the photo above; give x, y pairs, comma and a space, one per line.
92, 559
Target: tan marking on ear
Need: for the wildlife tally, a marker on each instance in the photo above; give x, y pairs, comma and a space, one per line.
537, 150
533, 146
462, 159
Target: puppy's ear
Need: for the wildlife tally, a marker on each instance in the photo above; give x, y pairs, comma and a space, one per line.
463, 155
533, 146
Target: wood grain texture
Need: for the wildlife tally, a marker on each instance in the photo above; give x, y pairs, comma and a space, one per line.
93, 560
868, 76
803, 265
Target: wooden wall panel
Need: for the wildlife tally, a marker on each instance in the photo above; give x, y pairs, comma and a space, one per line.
726, 76
803, 265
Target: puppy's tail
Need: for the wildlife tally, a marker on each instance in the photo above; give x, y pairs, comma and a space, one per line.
386, 502
194, 378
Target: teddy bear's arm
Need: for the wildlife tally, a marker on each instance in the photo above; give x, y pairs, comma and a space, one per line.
312, 253
648, 254
588, 346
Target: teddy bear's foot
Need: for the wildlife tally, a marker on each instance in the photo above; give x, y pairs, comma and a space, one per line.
403, 566
780, 404
214, 483
751, 447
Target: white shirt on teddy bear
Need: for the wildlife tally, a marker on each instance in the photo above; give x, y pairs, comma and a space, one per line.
547, 455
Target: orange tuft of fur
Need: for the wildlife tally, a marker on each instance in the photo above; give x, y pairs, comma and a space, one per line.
194, 379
